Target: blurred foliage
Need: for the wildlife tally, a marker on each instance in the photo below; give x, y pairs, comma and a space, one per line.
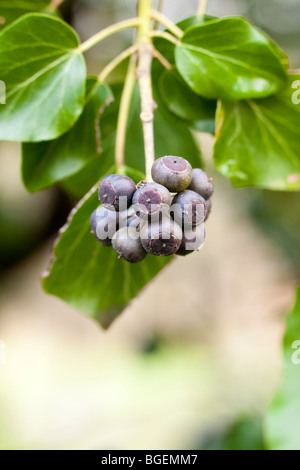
245, 434
167, 383
277, 215
282, 425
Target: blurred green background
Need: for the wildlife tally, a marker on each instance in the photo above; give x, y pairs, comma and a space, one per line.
194, 361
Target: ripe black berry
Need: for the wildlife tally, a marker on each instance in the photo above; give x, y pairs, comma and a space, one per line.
116, 191
192, 240
129, 218
175, 173
104, 223
208, 209
201, 183
150, 200
161, 238
133, 221
127, 244
188, 208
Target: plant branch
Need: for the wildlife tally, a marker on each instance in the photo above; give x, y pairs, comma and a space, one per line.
159, 17
117, 61
159, 9
147, 104
55, 4
92, 41
164, 35
202, 7
124, 112
157, 55
145, 83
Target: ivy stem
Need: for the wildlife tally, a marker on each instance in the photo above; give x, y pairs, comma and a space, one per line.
157, 55
160, 18
124, 112
117, 61
202, 7
159, 8
164, 35
92, 41
55, 4
145, 83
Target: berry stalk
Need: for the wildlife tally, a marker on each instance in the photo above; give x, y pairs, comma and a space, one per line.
202, 7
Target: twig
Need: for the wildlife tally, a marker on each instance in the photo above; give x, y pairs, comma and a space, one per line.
117, 61
156, 15
164, 35
157, 55
147, 104
123, 113
202, 7
145, 83
159, 8
131, 23
55, 4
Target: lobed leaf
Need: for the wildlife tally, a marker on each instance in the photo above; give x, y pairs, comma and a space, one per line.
10, 10
45, 74
258, 142
45, 163
88, 275
184, 103
230, 59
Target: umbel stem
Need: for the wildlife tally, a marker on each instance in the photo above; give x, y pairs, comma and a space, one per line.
145, 82
124, 112
147, 104
202, 7
145, 52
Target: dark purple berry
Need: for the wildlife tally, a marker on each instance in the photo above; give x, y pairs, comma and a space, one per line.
129, 218
175, 173
192, 239
201, 183
208, 209
188, 208
133, 221
126, 242
104, 224
161, 238
116, 191
150, 200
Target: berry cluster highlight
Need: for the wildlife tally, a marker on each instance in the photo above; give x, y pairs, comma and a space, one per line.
161, 218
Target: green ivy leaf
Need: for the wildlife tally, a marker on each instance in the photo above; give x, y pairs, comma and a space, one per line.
88, 275
10, 10
282, 423
258, 142
166, 48
230, 59
45, 74
183, 102
171, 137
45, 163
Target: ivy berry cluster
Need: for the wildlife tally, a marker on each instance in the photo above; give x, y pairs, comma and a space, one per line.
163, 217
